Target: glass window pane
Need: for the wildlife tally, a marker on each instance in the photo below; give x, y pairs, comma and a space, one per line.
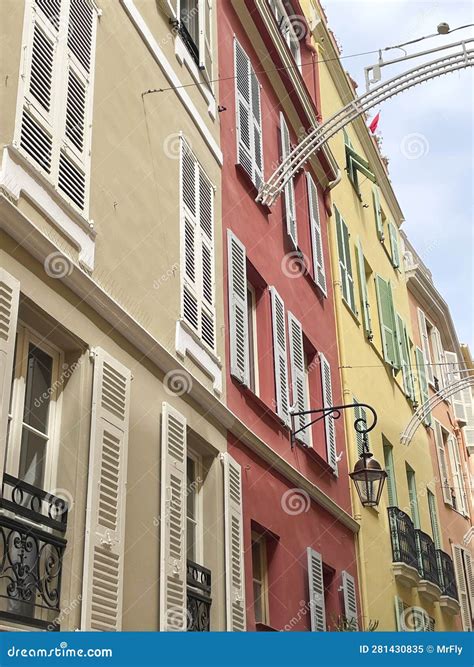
258, 602
32, 458
191, 540
38, 389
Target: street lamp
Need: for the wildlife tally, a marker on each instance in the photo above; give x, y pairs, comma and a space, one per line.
368, 475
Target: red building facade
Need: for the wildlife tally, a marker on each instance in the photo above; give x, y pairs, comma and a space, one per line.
281, 351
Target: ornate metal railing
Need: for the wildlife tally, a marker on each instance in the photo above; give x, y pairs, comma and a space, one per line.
402, 533
198, 597
428, 565
32, 525
447, 577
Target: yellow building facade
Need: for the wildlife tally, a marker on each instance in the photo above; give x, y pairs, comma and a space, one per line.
380, 365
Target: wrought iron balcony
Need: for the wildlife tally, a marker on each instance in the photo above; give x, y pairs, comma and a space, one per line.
447, 577
402, 533
428, 565
198, 597
32, 543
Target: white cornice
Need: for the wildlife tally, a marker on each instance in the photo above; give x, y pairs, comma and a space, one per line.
34, 241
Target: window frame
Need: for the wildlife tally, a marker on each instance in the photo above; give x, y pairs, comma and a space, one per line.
254, 379
261, 543
199, 513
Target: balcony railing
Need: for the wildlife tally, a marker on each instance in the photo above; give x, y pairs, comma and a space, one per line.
446, 574
402, 533
428, 566
198, 597
32, 527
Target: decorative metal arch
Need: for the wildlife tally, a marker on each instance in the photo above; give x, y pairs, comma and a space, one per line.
424, 410
463, 57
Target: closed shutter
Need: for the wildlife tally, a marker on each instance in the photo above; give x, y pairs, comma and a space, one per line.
316, 235
173, 520
248, 116
457, 473
298, 376
234, 547
364, 296
105, 519
205, 38
316, 591
289, 190
377, 211
360, 413
422, 382
442, 463
394, 245
425, 345
238, 314
330, 426
345, 264
9, 301
462, 585
206, 223
350, 599
387, 321
453, 376
280, 356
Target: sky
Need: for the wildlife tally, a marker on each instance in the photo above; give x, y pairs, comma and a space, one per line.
427, 134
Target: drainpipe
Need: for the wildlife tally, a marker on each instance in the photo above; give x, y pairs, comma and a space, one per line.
349, 417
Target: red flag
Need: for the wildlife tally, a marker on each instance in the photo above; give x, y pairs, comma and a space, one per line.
374, 123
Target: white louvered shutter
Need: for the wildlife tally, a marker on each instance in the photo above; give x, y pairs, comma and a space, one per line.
289, 191
205, 38
462, 585
350, 598
399, 614
245, 139
280, 356
9, 301
439, 359
206, 220
173, 520
189, 204
316, 236
257, 130
422, 382
364, 296
453, 376
316, 591
469, 429
469, 569
326, 381
234, 546
442, 463
298, 376
105, 519
238, 314
425, 345
457, 473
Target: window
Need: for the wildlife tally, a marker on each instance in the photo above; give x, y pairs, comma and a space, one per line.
197, 248
363, 290
405, 359
289, 190
413, 495
354, 164
280, 356
260, 579
387, 322
56, 88
441, 444
193, 509
434, 519
249, 120
390, 469
463, 568
299, 377
425, 329
345, 264
195, 28
282, 11
316, 235
459, 489
32, 433
252, 337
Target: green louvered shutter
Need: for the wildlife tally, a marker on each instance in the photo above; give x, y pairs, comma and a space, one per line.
392, 230
390, 470
364, 296
387, 322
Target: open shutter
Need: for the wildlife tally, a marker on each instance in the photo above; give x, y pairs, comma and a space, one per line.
360, 413
206, 225
173, 520
442, 463
350, 598
404, 356
345, 264
457, 473
289, 191
425, 345
330, 425
190, 265
378, 211
9, 301
387, 321
298, 376
453, 375
105, 519
390, 470
234, 548
316, 236
469, 429
469, 570
435, 530
392, 230
280, 356
462, 585
316, 591
364, 296
243, 110
238, 314
422, 382
400, 614
205, 38
257, 130
439, 359
341, 252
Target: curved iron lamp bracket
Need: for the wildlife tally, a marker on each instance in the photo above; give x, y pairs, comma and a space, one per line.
334, 412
